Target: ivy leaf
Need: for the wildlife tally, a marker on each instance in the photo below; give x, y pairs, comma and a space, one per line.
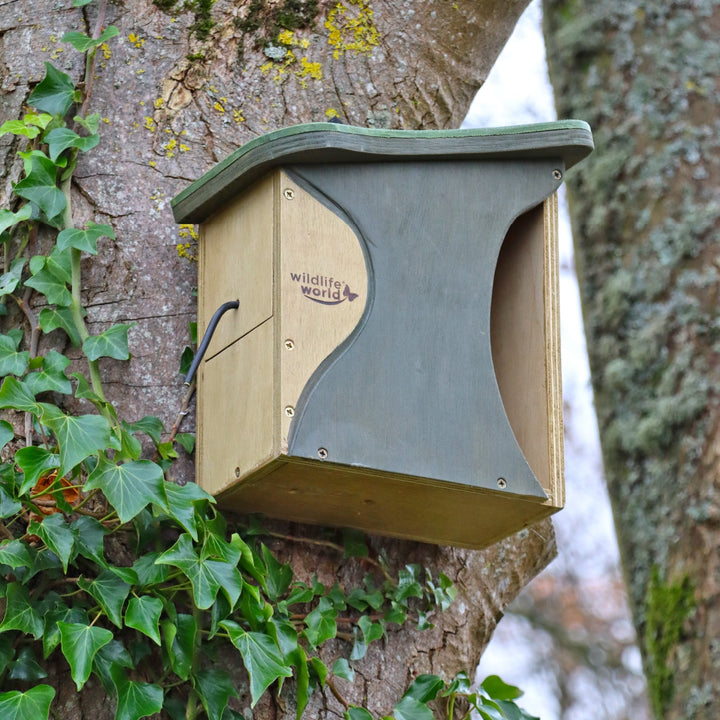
498, 689
85, 240
143, 614
110, 592
89, 538
342, 669
152, 426
302, 682
31, 705
16, 395
179, 637
79, 644
215, 689
51, 635
12, 362
137, 700
425, 688
11, 279
8, 218
279, 576
410, 708
52, 377
128, 487
50, 279
20, 613
112, 343
187, 441
40, 186
108, 657
15, 554
181, 501
261, 657
78, 437
81, 3
51, 319
357, 713
206, 576
26, 667
54, 94
7, 433
62, 138
148, 572
321, 625
8, 504
57, 535
83, 43
34, 462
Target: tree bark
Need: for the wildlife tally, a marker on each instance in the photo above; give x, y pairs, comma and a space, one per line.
178, 90
645, 219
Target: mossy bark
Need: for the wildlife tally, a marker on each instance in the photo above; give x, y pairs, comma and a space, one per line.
181, 87
645, 211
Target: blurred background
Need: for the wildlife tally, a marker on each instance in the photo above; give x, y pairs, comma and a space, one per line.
568, 640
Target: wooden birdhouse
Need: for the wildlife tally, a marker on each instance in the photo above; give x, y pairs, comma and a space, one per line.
394, 363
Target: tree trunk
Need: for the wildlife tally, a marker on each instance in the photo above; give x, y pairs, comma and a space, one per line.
645, 216
179, 90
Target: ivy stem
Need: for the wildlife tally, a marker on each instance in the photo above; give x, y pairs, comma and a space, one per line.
336, 693
24, 304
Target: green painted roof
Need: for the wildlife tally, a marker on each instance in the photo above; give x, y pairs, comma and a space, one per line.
567, 140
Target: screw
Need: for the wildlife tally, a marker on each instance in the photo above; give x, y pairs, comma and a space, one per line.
290, 411
557, 174
289, 344
237, 472
322, 453
289, 193
502, 483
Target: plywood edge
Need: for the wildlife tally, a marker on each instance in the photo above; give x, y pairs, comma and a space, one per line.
553, 366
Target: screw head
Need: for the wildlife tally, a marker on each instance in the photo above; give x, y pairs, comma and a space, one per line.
557, 174
502, 483
322, 453
237, 472
289, 410
288, 193
289, 344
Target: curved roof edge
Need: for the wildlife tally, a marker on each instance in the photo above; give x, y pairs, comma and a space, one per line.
567, 140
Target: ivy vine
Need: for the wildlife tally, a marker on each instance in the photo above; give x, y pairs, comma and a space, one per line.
74, 486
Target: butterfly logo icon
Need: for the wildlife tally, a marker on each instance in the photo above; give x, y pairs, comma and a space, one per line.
348, 294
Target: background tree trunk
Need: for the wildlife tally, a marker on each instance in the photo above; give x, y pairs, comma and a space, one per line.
179, 90
645, 216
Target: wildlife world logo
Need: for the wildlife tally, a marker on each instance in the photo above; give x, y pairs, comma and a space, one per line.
323, 289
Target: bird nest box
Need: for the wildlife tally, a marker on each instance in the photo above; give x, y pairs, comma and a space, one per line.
394, 363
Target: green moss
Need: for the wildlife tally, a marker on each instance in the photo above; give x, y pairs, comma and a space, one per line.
265, 21
201, 8
667, 606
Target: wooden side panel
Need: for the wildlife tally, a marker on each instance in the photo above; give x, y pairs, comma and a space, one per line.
526, 343
237, 264
323, 287
235, 411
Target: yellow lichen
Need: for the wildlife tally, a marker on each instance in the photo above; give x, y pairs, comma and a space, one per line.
150, 124
136, 40
106, 51
331, 113
351, 28
158, 103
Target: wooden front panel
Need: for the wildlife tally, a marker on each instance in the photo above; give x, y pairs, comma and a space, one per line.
323, 291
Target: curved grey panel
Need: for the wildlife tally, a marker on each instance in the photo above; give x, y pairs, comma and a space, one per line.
415, 391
